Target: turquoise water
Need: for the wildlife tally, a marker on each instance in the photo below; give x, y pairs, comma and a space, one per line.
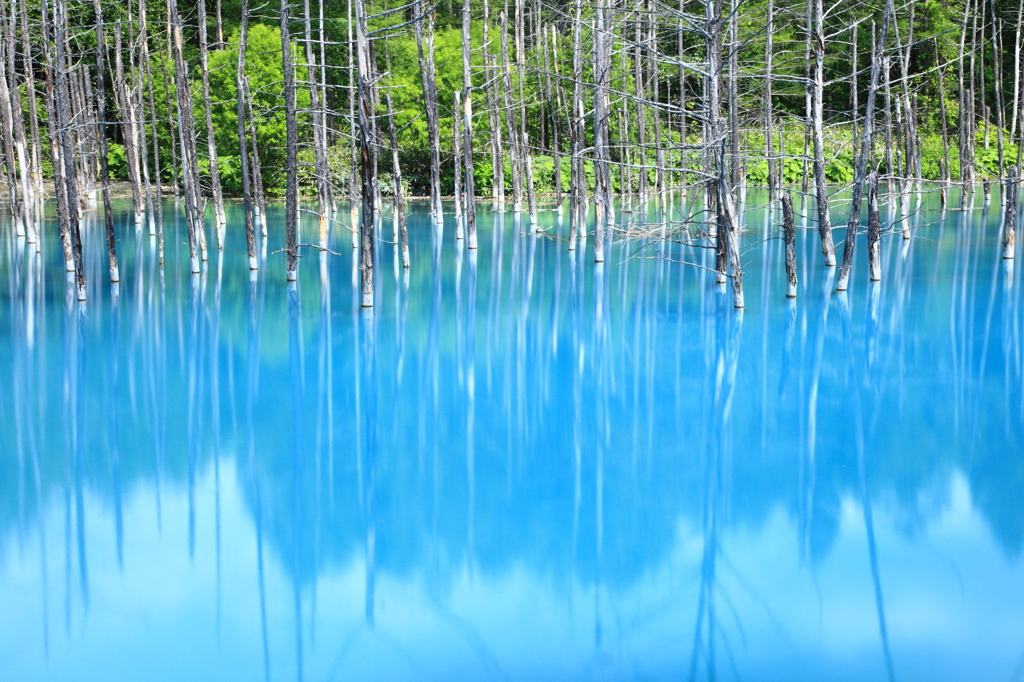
519, 466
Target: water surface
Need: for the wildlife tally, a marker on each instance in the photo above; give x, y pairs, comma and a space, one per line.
518, 466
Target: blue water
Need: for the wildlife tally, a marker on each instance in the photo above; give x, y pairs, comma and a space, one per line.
519, 465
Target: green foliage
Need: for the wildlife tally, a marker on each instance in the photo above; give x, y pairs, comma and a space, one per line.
117, 164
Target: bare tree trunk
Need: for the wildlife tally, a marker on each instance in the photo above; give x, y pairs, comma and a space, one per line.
428, 77
187, 137
323, 176
6, 117
469, 202
997, 67
602, 173
577, 178
860, 173
736, 164
493, 115
60, 70
101, 135
401, 232
820, 188
259, 198
1010, 215
555, 105
460, 232
211, 141
130, 134
243, 148
18, 128
940, 77
874, 231
789, 231
291, 196
147, 74
513, 135
366, 141
769, 145
33, 113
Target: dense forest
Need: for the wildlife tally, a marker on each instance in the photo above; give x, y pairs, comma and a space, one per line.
507, 102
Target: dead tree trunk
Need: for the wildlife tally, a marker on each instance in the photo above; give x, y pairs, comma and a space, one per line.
211, 141
323, 176
366, 141
1010, 214
291, 196
789, 231
101, 135
187, 137
577, 177
460, 232
874, 231
469, 187
818, 114
860, 173
493, 114
243, 148
510, 124
130, 135
18, 130
602, 171
428, 78
401, 232
60, 70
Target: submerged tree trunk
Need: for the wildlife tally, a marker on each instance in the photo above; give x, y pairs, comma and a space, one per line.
817, 106
789, 232
469, 187
291, 200
602, 172
101, 134
401, 232
860, 172
428, 78
366, 141
1010, 215
243, 148
211, 142
60, 70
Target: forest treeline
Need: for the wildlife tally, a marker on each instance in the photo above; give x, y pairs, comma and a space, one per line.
503, 100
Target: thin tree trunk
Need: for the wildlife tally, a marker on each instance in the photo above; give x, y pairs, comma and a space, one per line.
291, 196
186, 132
428, 78
101, 134
460, 232
60, 70
130, 135
513, 136
874, 231
469, 199
817, 102
1010, 215
789, 231
602, 174
6, 117
18, 128
319, 130
211, 141
243, 148
493, 115
401, 231
366, 141
577, 177
769, 144
860, 173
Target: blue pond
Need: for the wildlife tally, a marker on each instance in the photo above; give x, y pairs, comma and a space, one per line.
519, 465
